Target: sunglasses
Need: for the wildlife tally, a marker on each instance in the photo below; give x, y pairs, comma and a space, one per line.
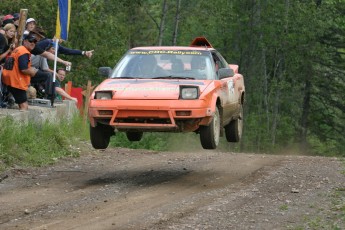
32, 40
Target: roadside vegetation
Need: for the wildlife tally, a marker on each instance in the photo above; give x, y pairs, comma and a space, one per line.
39, 144
35, 144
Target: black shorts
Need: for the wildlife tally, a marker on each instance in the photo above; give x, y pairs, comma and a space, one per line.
18, 94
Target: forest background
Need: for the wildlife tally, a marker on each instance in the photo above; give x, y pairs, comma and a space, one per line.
291, 53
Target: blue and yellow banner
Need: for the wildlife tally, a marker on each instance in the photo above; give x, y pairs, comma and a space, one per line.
62, 19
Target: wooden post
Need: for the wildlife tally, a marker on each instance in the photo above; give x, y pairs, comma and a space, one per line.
21, 27
68, 87
87, 94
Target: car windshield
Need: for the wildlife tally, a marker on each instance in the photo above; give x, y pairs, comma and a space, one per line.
166, 64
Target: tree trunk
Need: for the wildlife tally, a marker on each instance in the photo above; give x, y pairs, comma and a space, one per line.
275, 115
177, 20
162, 24
305, 113
280, 74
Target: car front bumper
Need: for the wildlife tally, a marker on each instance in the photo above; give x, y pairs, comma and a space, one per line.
151, 115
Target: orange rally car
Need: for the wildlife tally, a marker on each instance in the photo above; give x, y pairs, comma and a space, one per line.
169, 89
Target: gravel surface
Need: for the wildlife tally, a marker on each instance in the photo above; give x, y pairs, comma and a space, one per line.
140, 189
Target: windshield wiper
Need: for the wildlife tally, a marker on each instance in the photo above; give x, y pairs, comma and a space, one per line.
172, 77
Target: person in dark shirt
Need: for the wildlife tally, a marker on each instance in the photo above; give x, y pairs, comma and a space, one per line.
6, 41
39, 51
61, 74
44, 43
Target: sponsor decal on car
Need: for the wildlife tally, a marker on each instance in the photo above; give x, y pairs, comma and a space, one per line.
142, 88
174, 52
231, 86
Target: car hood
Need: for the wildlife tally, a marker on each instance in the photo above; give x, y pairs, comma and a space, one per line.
148, 88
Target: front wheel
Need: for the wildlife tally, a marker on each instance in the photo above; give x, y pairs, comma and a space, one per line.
134, 136
209, 135
100, 136
233, 131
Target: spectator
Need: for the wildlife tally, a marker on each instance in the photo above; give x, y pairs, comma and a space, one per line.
40, 51
45, 73
42, 77
7, 19
40, 62
61, 74
6, 46
2, 31
7, 41
18, 71
30, 25
16, 19
45, 42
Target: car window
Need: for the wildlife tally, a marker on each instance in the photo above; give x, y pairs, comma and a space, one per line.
166, 63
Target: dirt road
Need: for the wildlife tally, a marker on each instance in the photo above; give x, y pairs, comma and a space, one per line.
139, 189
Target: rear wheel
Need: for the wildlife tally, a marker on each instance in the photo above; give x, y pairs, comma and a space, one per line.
233, 131
209, 135
134, 136
100, 136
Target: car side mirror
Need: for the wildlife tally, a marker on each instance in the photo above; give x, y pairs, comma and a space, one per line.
104, 71
225, 72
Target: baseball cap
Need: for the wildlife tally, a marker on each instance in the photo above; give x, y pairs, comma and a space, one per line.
30, 37
39, 31
8, 17
30, 20
16, 16
7, 21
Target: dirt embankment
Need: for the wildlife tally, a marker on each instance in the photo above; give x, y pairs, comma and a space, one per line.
140, 189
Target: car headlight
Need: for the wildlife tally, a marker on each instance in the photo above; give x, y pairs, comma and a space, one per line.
189, 92
103, 95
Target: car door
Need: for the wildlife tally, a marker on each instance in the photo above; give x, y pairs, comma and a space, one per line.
229, 93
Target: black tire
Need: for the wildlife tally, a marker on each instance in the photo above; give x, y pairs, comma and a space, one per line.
134, 136
100, 136
233, 131
209, 135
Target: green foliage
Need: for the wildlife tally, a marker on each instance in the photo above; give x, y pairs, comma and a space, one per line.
150, 141
284, 207
326, 147
38, 144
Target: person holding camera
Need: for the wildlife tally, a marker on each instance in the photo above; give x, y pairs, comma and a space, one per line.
7, 41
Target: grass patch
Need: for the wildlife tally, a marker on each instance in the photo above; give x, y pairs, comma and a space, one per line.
284, 207
149, 141
35, 144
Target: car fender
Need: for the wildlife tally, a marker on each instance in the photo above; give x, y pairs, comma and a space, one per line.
212, 95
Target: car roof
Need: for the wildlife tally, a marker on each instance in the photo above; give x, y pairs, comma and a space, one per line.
199, 43
172, 48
